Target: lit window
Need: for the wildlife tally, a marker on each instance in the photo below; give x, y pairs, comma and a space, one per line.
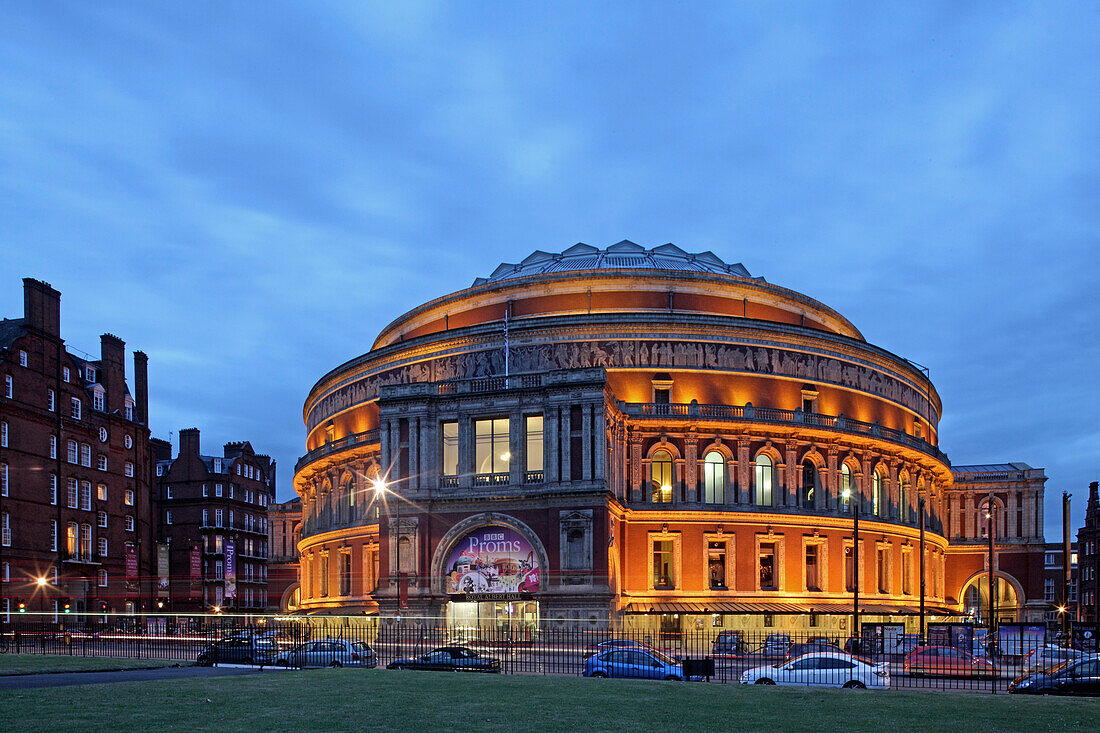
765, 476
767, 566
849, 569
72, 539
128, 497
846, 488
714, 478
101, 492
878, 501
661, 477
534, 443
716, 565
813, 568
664, 567
450, 448
491, 448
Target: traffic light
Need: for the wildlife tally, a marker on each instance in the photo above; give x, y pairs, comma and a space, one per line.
67, 606
103, 606
21, 605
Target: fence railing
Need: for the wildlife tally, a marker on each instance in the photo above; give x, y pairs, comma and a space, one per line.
512, 645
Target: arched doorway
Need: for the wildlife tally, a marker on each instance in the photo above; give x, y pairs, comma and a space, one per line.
1006, 598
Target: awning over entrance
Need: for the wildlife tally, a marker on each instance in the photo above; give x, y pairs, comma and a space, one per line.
730, 607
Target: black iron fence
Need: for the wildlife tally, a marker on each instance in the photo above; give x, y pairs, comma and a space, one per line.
952, 656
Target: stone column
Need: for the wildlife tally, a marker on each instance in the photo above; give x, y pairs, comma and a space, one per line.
550, 426
636, 492
566, 447
517, 449
970, 527
1010, 507
832, 480
744, 472
691, 466
599, 444
790, 497
586, 443
466, 466
415, 476
384, 444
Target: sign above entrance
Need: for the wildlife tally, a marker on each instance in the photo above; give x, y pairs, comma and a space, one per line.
493, 559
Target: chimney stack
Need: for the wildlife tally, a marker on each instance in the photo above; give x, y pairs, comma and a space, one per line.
42, 307
189, 442
112, 367
141, 386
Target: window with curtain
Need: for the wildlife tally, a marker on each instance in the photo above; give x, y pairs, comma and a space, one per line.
714, 478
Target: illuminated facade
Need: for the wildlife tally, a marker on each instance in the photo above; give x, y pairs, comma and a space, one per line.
635, 434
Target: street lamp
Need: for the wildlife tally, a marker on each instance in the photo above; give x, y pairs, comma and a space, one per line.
41, 582
380, 490
847, 494
992, 576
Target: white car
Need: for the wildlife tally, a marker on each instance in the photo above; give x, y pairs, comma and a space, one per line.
828, 669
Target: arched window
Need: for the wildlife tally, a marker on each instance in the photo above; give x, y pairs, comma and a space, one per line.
765, 475
904, 491
983, 518
714, 478
878, 501
847, 490
661, 471
809, 483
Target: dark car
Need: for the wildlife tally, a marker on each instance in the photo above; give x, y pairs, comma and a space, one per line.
728, 643
1077, 677
259, 650
797, 650
449, 659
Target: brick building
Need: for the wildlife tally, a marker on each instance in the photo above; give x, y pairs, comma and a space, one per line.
212, 525
1088, 544
284, 531
75, 468
1057, 594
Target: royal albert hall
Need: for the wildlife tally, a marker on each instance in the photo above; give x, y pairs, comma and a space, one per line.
645, 437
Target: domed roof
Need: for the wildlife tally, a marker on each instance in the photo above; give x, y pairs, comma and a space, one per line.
622, 256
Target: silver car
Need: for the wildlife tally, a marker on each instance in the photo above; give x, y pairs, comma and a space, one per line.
1049, 656
329, 653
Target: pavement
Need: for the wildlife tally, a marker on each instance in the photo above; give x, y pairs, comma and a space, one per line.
63, 679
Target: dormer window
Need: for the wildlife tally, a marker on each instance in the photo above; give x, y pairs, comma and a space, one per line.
90, 374
98, 400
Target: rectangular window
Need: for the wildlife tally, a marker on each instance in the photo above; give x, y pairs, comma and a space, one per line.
883, 570
72, 539
167, 491
205, 491
219, 543
218, 518
323, 574
22, 358
86, 541
51, 400
53, 490
217, 489
74, 408
102, 548
8, 388
89, 374
491, 452
231, 491
101, 519
206, 517
101, 492
102, 578
907, 573
86, 495
767, 567
3, 479
85, 455
53, 446
53, 535
345, 573
129, 410
716, 565
4, 434
219, 570
101, 463
128, 497
74, 489
663, 565
450, 448
167, 516
849, 569
65, 373
5, 530
534, 444
129, 522
72, 452
217, 465
128, 469
97, 401
813, 571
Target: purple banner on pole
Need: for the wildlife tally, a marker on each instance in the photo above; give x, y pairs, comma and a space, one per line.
230, 569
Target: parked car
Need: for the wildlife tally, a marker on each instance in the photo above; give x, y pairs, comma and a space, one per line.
775, 645
798, 650
1073, 677
239, 649
448, 659
329, 653
610, 644
1049, 656
947, 661
638, 663
728, 643
828, 669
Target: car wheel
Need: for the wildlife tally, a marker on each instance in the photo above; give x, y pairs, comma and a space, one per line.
598, 675
764, 681
399, 666
335, 664
854, 685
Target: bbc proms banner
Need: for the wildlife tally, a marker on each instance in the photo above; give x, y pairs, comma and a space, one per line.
492, 559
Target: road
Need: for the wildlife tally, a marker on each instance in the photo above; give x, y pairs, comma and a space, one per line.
64, 679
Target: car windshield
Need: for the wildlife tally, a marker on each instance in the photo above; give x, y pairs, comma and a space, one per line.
662, 657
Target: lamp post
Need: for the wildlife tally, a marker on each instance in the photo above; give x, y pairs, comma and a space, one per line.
992, 574
920, 519
847, 494
380, 490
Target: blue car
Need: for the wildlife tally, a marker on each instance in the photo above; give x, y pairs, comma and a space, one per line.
638, 663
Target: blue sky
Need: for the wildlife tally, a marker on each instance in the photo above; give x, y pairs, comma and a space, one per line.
249, 191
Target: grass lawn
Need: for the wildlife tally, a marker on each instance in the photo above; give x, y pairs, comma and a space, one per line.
337, 700
32, 663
